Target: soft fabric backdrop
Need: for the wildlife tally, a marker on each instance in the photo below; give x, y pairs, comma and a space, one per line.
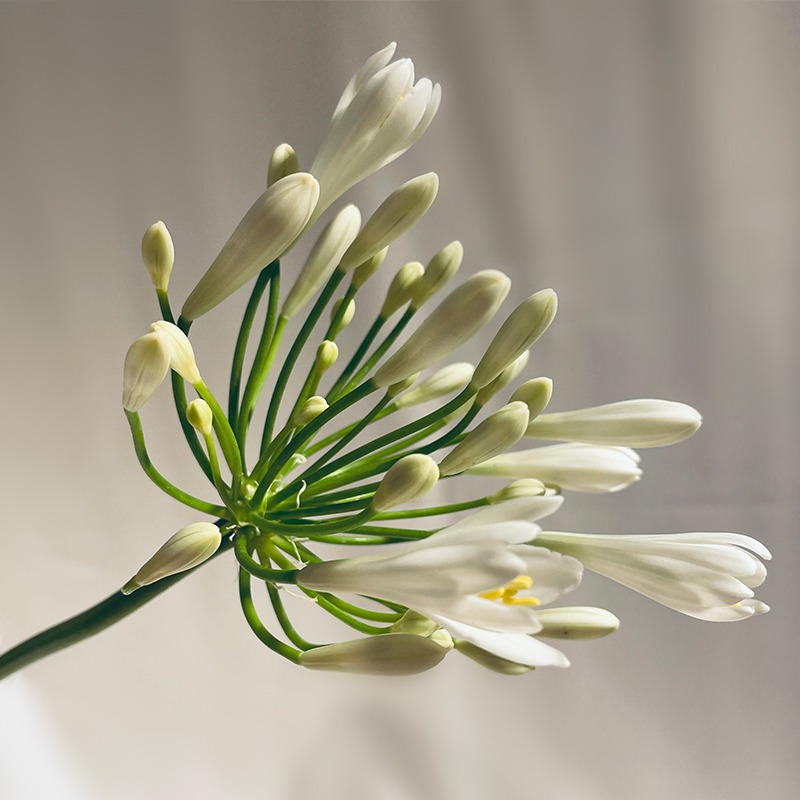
641, 159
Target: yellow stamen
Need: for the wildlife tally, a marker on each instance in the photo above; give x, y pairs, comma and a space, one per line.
508, 592
521, 601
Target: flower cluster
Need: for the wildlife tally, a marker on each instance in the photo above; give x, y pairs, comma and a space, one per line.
320, 480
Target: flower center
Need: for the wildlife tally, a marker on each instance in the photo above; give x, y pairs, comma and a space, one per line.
508, 593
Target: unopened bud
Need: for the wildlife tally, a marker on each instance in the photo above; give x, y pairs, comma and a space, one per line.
524, 487
577, 622
490, 660
181, 353
311, 409
200, 417
410, 477
508, 375
494, 435
283, 162
401, 386
536, 394
363, 272
327, 353
401, 288
146, 366
398, 212
189, 547
158, 254
384, 654
439, 271
347, 315
444, 381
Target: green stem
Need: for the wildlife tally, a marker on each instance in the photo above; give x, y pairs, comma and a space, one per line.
353, 363
434, 511
192, 439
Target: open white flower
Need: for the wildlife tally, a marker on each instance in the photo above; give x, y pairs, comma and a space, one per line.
710, 576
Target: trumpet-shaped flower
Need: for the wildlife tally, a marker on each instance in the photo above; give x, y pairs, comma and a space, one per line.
710, 576
146, 365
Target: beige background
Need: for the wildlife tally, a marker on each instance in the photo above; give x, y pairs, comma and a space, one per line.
641, 159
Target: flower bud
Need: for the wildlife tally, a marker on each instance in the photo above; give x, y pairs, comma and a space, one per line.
439, 271
634, 423
396, 388
445, 381
457, 318
323, 258
526, 323
494, 435
577, 622
363, 272
508, 375
384, 654
490, 660
398, 212
265, 233
158, 254
347, 316
311, 409
200, 416
146, 366
524, 487
283, 162
187, 548
406, 479
327, 353
536, 394
181, 353
401, 288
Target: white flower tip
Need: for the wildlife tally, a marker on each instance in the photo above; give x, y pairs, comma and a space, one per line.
283, 162
310, 410
577, 622
158, 255
181, 352
491, 661
146, 365
410, 477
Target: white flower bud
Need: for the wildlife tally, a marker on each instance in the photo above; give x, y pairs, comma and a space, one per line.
526, 323
189, 547
395, 215
634, 423
508, 375
311, 409
146, 366
385, 654
180, 349
373, 64
401, 386
363, 272
265, 233
457, 318
444, 381
490, 660
406, 479
401, 287
283, 162
536, 394
200, 416
492, 436
323, 258
524, 487
158, 254
576, 622
349, 312
327, 354
439, 271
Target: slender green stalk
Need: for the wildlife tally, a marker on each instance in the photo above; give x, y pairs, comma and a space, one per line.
356, 359
434, 511
241, 550
192, 439
227, 438
164, 306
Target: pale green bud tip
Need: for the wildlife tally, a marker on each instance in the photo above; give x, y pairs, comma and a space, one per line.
524, 487
508, 375
439, 271
283, 162
200, 417
146, 366
311, 409
577, 622
347, 315
158, 254
327, 353
401, 288
366, 270
184, 550
401, 386
406, 479
385, 654
490, 660
181, 353
443, 382
536, 394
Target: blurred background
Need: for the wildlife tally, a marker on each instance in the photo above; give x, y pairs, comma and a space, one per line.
641, 159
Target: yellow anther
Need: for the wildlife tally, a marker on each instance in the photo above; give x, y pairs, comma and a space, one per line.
493, 594
508, 592
520, 601
519, 583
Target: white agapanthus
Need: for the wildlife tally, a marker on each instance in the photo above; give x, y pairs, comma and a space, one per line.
146, 366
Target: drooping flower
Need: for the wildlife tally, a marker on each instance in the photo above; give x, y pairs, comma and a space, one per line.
146, 366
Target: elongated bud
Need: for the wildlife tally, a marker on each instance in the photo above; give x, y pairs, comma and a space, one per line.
158, 254
283, 162
457, 318
443, 382
181, 353
396, 388
490, 660
347, 316
576, 622
439, 271
634, 423
524, 487
327, 353
200, 417
385, 654
363, 272
398, 212
526, 323
146, 366
401, 287
311, 409
267, 231
536, 394
323, 258
508, 375
406, 479
189, 547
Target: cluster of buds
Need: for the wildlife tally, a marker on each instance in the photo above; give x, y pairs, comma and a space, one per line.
477, 586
